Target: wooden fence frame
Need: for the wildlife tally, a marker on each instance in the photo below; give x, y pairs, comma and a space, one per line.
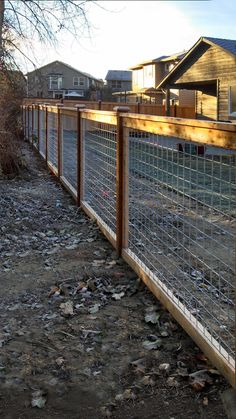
218, 134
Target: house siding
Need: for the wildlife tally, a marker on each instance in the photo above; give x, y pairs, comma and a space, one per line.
213, 63
38, 80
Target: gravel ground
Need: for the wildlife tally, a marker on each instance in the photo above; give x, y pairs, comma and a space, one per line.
80, 335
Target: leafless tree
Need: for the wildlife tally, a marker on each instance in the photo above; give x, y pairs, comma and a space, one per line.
41, 20
20, 22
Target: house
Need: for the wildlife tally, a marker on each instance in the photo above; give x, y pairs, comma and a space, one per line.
148, 74
209, 67
117, 81
60, 80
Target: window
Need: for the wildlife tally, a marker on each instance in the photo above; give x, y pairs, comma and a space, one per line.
55, 82
232, 100
75, 81
169, 66
78, 81
116, 84
148, 71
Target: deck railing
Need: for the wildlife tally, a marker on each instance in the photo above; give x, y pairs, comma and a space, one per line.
163, 192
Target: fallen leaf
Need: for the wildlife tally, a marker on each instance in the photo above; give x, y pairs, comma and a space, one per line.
199, 379
67, 308
147, 344
54, 291
94, 309
152, 318
38, 399
164, 367
172, 382
148, 381
117, 296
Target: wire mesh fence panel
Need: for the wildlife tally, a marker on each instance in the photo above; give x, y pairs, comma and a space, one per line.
52, 139
42, 132
35, 128
69, 149
100, 171
30, 127
181, 227
26, 122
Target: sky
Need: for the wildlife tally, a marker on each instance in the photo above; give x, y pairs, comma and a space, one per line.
124, 33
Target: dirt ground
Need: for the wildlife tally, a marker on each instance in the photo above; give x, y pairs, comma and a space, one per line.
80, 336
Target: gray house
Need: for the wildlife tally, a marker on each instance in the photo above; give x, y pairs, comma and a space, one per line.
59, 80
118, 81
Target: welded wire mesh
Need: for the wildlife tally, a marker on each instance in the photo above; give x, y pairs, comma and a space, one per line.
30, 126
52, 139
26, 122
69, 148
100, 171
35, 127
181, 205
42, 132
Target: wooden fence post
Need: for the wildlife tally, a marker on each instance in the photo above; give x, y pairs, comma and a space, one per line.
28, 120
167, 103
32, 125
38, 126
79, 107
59, 106
46, 132
120, 178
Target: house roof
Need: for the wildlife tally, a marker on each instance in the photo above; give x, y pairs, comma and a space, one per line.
67, 65
162, 58
228, 45
122, 75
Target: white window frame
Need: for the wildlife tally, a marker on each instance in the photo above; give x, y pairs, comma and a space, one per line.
81, 81
55, 79
76, 81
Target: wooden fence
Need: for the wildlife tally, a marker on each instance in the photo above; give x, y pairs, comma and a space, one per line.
162, 190
141, 108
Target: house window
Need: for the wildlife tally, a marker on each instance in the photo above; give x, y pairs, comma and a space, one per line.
148, 71
116, 84
169, 66
78, 81
75, 81
55, 82
232, 100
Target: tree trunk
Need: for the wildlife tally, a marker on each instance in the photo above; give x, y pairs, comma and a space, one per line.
2, 8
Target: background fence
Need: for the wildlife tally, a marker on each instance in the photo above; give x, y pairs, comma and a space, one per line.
142, 108
163, 191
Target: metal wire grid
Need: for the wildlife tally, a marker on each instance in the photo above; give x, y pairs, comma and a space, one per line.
100, 171
30, 128
35, 128
181, 226
52, 139
26, 122
69, 149
42, 132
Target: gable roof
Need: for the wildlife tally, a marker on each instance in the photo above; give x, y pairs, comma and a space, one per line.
123, 75
228, 45
67, 65
162, 58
